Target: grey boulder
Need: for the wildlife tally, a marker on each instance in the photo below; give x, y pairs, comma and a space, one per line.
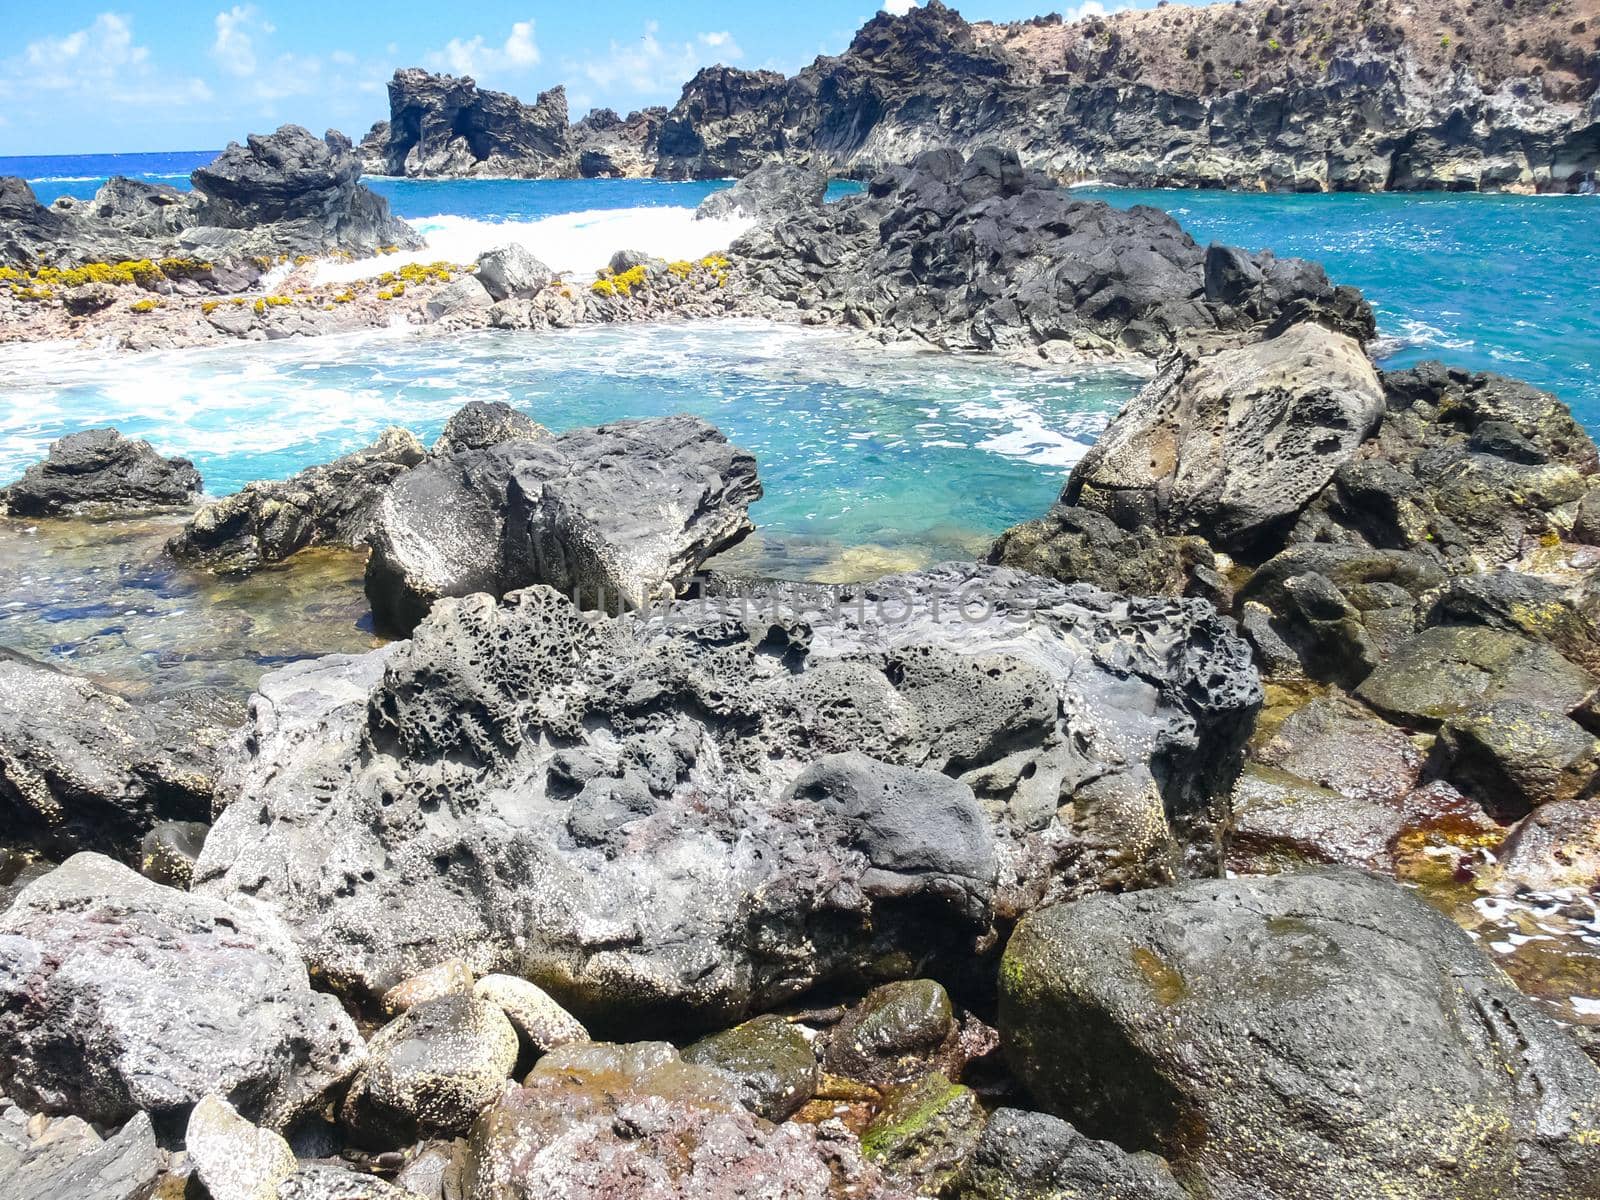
68, 1160
100, 470
1033, 1156
1327, 1025
511, 271
616, 517
118, 994
766, 193
1233, 446
480, 424
608, 807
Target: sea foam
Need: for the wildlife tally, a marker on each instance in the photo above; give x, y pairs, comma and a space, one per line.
578, 243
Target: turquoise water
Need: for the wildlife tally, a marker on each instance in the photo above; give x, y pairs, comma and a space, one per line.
857, 445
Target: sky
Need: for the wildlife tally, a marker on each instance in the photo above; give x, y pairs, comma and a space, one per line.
113, 76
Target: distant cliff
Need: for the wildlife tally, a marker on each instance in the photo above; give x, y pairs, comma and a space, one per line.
1287, 94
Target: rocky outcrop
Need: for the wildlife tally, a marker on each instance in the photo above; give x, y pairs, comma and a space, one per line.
595, 805
615, 517
100, 470
767, 193
285, 193
981, 254
445, 125
325, 505
119, 995
1259, 1033
83, 769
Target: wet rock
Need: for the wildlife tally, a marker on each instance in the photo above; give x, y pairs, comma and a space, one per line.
1520, 603
1260, 1033
68, 1160
443, 979
596, 805
511, 271
100, 470
1342, 610
1233, 446
1032, 1156
81, 768
1452, 670
235, 1159
167, 853
485, 423
118, 994
434, 1173
290, 193
924, 1134
430, 1071
772, 1060
1340, 745
1516, 755
900, 1031
531, 1011
1078, 545
1556, 846
330, 504
315, 1181
615, 516
634, 1121
767, 193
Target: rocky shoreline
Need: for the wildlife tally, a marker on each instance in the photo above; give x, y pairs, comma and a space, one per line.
1284, 95
1168, 854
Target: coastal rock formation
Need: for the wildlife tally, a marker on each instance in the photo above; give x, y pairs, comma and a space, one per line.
615, 517
767, 192
82, 769
284, 193
329, 504
103, 471
445, 125
596, 804
1260, 1033
119, 995
981, 254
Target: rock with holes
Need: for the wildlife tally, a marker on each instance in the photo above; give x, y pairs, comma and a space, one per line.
684, 815
118, 994
1263, 1034
1233, 446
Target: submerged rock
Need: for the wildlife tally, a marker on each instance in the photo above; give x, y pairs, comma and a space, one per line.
1262, 1033
1233, 446
325, 505
118, 994
616, 517
99, 470
595, 805
83, 769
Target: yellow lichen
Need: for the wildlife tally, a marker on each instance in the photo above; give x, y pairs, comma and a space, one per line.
144, 306
209, 306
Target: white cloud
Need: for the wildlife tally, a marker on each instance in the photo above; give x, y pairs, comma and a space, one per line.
898, 8
651, 66
234, 48
475, 56
101, 62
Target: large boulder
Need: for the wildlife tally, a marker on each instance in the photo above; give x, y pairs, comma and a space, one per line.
1034, 1156
330, 504
81, 768
100, 470
615, 517
624, 811
511, 271
290, 193
119, 995
1265, 1033
1233, 446
634, 1122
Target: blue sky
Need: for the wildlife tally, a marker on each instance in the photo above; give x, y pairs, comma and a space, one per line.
105, 76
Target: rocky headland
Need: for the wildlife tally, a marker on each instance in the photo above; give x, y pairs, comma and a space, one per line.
1276, 94
1174, 852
